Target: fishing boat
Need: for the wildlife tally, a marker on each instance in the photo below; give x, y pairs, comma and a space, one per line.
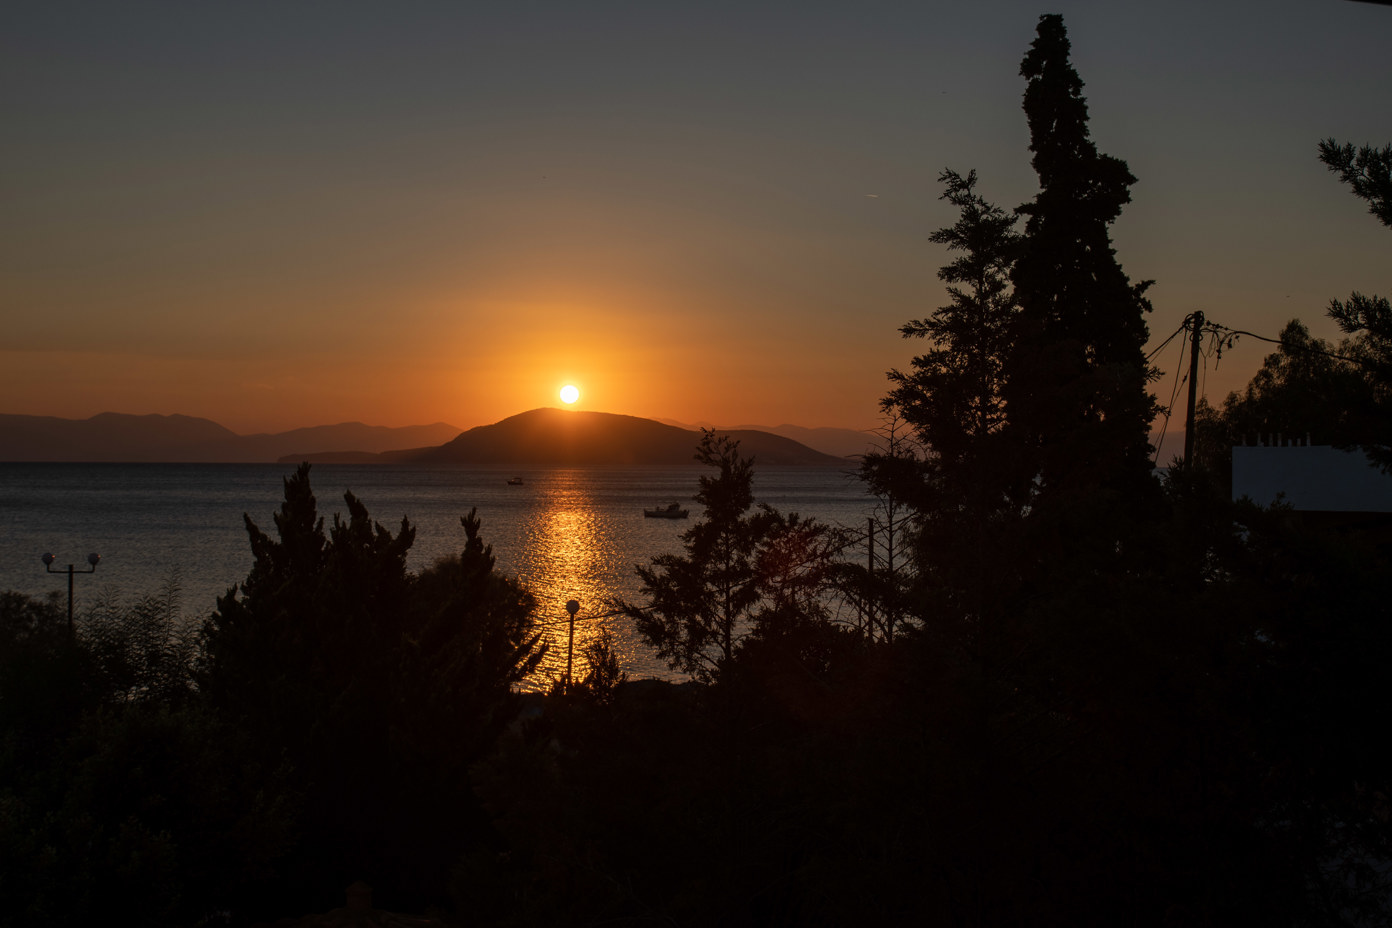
670, 511
514, 481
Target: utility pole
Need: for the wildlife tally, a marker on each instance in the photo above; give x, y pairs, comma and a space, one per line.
1195, 325
870, 577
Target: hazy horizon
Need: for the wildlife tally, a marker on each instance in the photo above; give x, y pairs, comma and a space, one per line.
278, 217
1168, 440
697, 424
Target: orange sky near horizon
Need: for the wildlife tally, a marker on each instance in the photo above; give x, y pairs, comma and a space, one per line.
279, 217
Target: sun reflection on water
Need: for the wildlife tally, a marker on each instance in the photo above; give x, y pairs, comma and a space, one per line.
571, 550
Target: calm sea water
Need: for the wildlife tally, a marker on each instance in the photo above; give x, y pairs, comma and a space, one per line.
566, 534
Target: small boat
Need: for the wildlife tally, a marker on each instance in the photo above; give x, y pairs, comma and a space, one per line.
670, 511
514, 481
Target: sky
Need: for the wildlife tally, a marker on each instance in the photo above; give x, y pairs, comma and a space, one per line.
278, 215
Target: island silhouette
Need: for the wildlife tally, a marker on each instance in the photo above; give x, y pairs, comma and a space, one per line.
550, 437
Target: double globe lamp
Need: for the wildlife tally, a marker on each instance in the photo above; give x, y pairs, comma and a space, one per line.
92, 559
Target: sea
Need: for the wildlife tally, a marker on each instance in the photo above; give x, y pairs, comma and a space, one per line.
563, 533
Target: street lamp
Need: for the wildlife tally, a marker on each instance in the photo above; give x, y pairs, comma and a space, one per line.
572, 606
92, 559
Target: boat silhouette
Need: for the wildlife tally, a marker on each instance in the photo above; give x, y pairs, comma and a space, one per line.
670, 511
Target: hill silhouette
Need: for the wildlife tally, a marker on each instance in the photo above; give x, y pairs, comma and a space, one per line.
122, 438
838, 442
570, 438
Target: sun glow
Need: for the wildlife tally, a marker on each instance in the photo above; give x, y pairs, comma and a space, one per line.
569, 394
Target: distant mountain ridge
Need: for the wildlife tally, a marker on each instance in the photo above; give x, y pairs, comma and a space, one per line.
541, 437
122, 438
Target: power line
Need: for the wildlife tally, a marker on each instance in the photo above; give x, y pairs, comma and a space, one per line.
1180, 377
1161, 347
1312, 349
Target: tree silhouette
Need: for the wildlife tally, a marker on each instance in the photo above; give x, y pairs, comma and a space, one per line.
1076, 389
880, 588
376, 688
470, 641
1306, 388
119, 790
1367, 171
741, 570
952, 396
599, 686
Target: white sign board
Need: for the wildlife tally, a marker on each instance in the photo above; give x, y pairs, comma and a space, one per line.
1312, 477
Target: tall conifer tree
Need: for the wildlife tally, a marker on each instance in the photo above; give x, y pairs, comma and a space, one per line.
952, 395
1077, 391
952, 398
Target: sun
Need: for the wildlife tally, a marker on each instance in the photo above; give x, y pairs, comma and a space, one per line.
569, 394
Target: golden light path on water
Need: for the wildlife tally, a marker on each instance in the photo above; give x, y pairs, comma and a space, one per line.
572, 551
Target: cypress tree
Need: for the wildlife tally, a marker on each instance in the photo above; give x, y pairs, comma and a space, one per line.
1077, 395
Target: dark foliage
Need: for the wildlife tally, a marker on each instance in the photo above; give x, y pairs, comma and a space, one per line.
952, 393
1076, 388
47, 681
373, 689
1310, 390
958, 487
1369, 320
119, 793
742, 573
882, 588
1367, 171
1097, 694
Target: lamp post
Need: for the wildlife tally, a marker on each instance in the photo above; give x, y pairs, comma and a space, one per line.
572, 606
92, 559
